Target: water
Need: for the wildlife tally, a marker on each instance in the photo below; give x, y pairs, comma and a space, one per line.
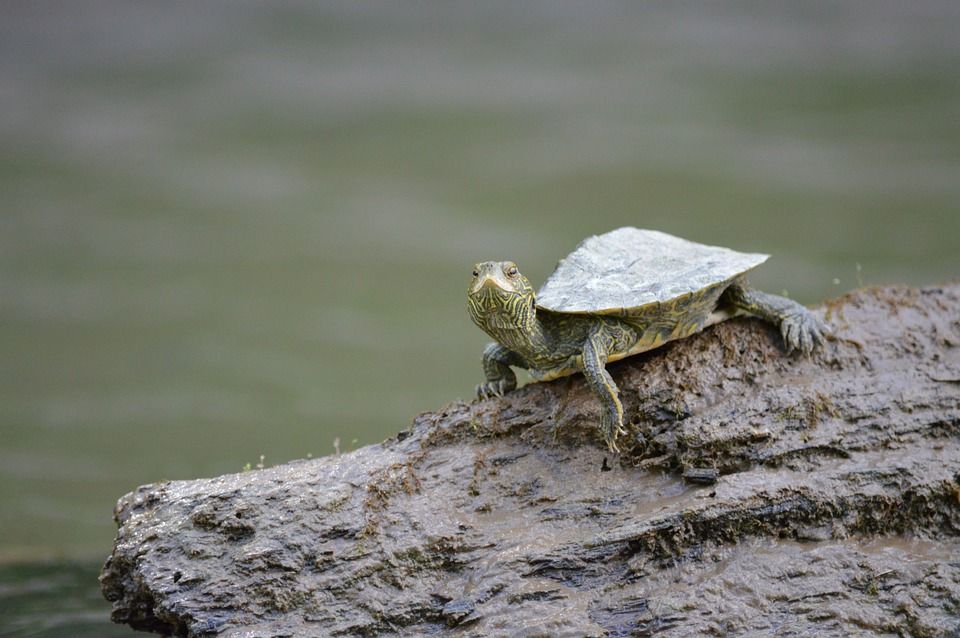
244, 230
47, 600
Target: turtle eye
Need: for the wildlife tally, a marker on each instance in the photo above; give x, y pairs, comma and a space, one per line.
512, 271
476, 272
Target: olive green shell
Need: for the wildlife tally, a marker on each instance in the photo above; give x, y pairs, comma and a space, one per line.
630, 271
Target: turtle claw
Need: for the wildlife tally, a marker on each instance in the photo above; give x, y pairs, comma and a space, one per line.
611, 428
802, 331
806, 341
492, 389
785, 329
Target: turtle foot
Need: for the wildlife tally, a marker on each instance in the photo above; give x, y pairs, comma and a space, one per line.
611, 428
496, 388
803, 331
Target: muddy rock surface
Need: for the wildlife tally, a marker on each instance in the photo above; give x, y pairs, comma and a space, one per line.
759, 494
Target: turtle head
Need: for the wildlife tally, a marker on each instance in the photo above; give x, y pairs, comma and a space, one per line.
500, 298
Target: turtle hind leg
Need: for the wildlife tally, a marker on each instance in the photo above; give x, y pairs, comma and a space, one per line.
800, 328
501, 379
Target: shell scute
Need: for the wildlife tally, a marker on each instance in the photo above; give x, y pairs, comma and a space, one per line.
630, 269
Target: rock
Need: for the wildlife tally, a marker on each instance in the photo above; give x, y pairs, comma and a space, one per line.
701, 475
832, 506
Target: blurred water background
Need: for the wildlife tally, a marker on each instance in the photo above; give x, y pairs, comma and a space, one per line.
231, 229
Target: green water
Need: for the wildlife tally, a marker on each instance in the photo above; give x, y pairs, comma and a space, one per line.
50, 600
244, 230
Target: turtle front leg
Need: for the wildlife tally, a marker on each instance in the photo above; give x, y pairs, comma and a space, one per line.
496, 368
800, 328
594, 361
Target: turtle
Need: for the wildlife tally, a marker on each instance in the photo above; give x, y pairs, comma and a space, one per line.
618, 294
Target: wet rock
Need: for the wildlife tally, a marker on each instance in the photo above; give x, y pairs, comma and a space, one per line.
822, 498
701, 475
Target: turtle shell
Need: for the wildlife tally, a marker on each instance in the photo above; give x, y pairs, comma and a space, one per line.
628, 269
